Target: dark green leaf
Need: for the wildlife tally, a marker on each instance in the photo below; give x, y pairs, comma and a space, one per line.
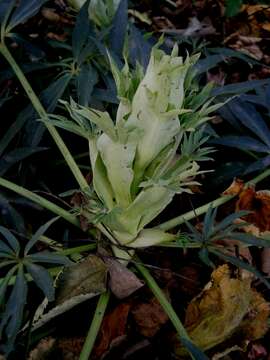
240, 264
4, 284
49, 98
249, 239
13, 315
239, 88
119, 28
16, 156
258, 165
12, 241
233, 7
38, 234
86, 80
50, 258
42, 278
251, 118
82, 30
228, 220
24, 11
242, 143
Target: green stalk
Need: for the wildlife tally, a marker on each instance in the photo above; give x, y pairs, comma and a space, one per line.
43, 115
170, 224
167, 307
95, 326
40, 201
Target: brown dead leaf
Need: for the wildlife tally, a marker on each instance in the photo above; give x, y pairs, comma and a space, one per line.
122, 282
149, 317
259, 204
235, 188
255, 324
266, 27
113, 327
43, 350
70, 347
86, 277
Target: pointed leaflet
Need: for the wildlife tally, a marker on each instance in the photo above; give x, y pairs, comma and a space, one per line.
82, 31
37, 235
242, 143
24, 11
12, 241
249, 117
13, 315
119, 28
42, 278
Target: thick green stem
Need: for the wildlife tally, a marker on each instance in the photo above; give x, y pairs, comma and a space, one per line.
40, 201
95, 326
43, 115
170, 224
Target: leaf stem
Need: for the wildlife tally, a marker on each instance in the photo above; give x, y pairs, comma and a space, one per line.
170, 224
43, 114
40, 201
95, 326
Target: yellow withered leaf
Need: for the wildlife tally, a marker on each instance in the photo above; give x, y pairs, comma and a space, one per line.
226, 306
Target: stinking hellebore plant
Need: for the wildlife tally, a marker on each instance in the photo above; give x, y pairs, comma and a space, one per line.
136, 163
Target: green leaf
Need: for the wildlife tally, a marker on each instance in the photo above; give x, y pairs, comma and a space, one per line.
233, 7
49, 258
12, 241
4, 284
24, 11
38, 234
13, 315
42, 278
241, 264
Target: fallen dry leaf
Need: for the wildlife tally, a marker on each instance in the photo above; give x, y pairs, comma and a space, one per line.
258, 203
43, 350
113, 327
149, 317
235, 188
75, 284
122, 281
225, 307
